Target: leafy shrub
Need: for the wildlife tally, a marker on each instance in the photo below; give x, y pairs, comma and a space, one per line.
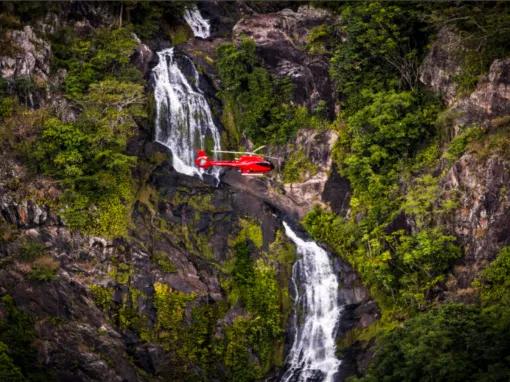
44, 269
298, 167
458, 145
104, 54
454, 342
88, 156
494, 280
380, 52
17, 352
259, 104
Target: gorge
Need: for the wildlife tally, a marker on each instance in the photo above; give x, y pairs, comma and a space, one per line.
377, 249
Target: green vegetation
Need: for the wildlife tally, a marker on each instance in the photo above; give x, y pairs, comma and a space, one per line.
494, 282
298, 167
454, 342
253, 284
250, 230
395, 146
164, 262
458, 145
383, 45
483, 28
88, 156
44, 269
257, 105
18, 356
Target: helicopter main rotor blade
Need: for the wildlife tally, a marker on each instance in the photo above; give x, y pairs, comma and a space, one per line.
259, 148
231, 152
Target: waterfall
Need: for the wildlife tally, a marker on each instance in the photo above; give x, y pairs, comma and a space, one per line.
200, 26
316, 315
184, 120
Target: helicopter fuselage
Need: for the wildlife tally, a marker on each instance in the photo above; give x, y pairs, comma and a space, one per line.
247, 164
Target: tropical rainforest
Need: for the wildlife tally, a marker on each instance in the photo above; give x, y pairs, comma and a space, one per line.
390, 122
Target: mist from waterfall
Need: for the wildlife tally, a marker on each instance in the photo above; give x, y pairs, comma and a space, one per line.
184, 120
316, 315
200, 26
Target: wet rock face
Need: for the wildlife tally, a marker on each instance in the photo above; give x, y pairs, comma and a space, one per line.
481, 221
442, 64
281, 40
29, 56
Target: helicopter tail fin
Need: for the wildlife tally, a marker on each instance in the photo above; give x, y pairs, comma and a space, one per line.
202, 160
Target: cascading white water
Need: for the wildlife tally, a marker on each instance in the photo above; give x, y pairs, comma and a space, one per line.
183, 117
312, 356
200, 26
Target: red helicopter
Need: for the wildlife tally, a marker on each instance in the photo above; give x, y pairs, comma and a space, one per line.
248, 163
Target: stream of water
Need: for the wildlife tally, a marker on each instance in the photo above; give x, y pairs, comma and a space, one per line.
184, 120
316, 314
200, 26
184, 123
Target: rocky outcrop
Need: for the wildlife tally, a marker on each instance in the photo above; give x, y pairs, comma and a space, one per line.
281, 40
317, 147
491, 98
481, 220
28, 56
442, 64
142, 57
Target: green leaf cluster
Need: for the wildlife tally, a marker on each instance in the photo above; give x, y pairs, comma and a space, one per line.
105, 53
18, 356
454, 342
298, 167
258, 105
382, 45
252, 284
88, 157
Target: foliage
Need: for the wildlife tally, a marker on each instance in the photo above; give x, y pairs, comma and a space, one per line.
388, 129
29, 249
18, 356
400, 268
298, 167
88, 156
44, 269
250, 230
494, 281
422, 261
163, 261
103, 296
102, 55
8, 370
483, 28
253, 284
459, 144
454, 342
259, 103
381, 50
